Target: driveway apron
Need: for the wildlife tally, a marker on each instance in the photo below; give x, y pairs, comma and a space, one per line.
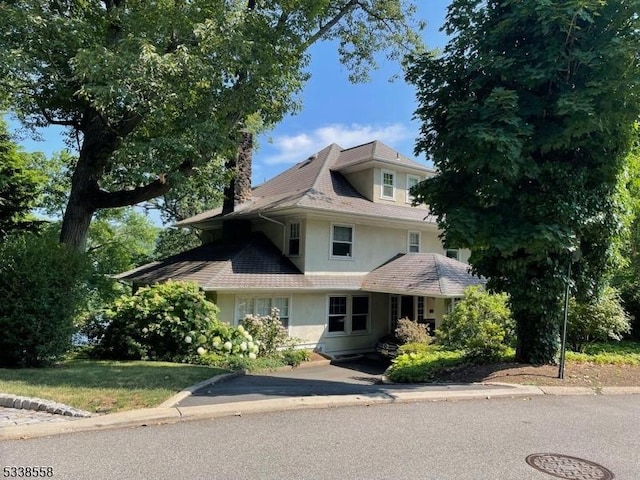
360, 376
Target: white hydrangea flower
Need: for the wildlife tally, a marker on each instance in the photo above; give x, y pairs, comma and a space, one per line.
201, 351
227, 346
243, 346
252, 356
187, 339
241, 329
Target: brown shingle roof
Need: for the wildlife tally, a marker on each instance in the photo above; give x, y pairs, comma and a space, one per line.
253, 264
427, 274
316, 184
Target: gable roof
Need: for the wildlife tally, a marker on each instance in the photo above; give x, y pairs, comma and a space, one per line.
251, 264
428, 274
317, 184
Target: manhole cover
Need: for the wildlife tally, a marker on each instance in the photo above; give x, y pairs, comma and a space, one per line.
564, 466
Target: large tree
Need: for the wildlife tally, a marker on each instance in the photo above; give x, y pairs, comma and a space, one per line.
528, 116
153, 91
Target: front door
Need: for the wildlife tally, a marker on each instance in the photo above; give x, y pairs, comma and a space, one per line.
401, 306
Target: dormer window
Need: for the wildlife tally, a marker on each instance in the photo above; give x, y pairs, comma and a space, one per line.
388, 182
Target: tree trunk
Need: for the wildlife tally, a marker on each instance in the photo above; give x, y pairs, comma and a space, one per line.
98, 144
538, 339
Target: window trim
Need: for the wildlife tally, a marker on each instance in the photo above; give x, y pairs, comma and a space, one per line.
409, 198
393, 185
409, 233
457, 253
353, 241
289, 238
348, 319
255, 296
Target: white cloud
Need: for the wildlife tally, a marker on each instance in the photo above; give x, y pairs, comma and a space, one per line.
295, 148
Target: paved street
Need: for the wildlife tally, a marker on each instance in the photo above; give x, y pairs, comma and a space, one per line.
466, 440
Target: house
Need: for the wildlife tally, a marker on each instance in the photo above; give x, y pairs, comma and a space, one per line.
333, 242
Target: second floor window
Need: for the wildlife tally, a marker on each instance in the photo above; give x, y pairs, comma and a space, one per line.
453, 253
342, 241
388, 185
414, 242
412, 181
294, 239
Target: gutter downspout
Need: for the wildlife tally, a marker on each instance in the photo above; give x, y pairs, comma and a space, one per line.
284, 231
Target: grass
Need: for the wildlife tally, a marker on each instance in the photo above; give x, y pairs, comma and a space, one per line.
105, 386
609, 353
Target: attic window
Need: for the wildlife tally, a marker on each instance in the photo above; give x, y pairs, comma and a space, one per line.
388, 185
453, 253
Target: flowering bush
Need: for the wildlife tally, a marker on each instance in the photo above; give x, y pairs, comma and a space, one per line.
410, 331
222, 339
160, 322
269, 330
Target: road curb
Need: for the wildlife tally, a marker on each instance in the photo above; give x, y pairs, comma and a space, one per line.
40, 405
187, 392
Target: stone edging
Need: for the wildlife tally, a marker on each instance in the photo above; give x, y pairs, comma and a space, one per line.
38, 404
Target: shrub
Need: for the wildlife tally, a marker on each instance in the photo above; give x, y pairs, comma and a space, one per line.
423, 366
600, 320
480, 325
160, 322
269, 330
415, 348
410, 331
295, 357
42, 289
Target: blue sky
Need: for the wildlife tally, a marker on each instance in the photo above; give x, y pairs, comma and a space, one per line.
333, 110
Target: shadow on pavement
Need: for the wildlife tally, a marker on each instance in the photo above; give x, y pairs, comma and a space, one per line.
334, 379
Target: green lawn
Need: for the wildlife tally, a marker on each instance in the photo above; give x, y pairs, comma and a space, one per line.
105, 386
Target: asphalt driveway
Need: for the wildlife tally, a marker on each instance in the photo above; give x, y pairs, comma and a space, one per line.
352, 377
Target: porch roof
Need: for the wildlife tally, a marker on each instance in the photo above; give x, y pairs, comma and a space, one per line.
424, 274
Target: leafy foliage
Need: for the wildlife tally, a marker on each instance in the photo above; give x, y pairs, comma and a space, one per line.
157, 92
172, 241
528, 116
42, 287
416, 367
480, 325
154, 323
269, 330
410, 331
600, 320
19, 186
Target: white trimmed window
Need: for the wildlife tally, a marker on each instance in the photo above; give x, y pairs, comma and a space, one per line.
341, 241
261, 306
412, 181
388, 185
294, 239
453, 253
347, 314
414, 242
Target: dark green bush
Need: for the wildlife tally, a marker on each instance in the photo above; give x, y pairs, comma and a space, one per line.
42, 289
480, 325
160, 322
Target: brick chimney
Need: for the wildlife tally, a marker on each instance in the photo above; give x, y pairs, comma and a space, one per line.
239, 188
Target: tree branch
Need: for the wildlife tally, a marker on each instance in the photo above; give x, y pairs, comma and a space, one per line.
100, 198
350, 6
64, 123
